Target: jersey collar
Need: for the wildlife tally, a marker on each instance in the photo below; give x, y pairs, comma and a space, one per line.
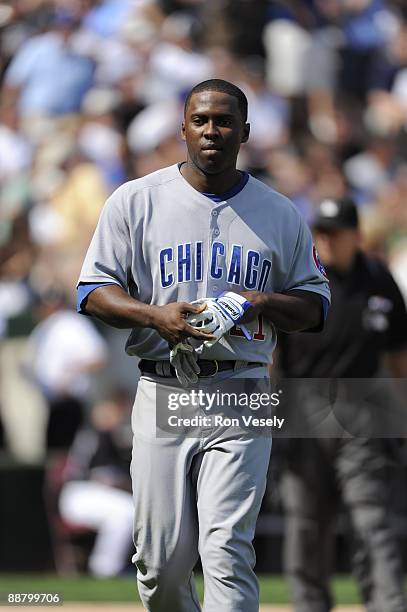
221, 197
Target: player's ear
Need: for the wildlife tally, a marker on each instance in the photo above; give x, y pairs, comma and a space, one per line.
183, 130
246, 132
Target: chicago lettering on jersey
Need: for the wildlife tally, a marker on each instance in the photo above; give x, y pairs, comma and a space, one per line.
185, 262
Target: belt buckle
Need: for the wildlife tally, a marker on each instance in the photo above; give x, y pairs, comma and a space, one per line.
215, 362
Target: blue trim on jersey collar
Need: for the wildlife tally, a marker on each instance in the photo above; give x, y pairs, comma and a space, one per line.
220, 197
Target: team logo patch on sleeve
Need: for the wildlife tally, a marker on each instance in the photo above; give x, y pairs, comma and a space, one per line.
317, 261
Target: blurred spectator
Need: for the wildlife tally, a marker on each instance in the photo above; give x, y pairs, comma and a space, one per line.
66, 351
99, 139
46, 76
107, 17
288, 174
15, 149
371, 169
236, 25
16, 246
286, 44
175, 64
367, 322
154, 137
70, 191
269, 113
19, 20
96, 493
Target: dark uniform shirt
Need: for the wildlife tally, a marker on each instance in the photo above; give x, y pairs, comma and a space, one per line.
367, 317
101, 456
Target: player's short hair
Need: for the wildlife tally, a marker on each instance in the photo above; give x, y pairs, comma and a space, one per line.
223, 87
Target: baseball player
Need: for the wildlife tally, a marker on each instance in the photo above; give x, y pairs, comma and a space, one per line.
188, 257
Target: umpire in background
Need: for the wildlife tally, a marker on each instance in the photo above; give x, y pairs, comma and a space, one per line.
366, 324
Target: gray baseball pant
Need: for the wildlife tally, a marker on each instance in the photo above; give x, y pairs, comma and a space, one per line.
358, 469
195, 496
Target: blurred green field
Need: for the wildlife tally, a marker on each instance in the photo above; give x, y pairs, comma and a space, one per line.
273, 589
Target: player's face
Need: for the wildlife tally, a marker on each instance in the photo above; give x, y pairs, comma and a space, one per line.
337, 248
214, 129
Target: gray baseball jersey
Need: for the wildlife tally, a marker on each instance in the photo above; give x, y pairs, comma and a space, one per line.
163, 241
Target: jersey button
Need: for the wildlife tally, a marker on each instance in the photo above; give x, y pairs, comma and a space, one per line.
215, 288
214, 213
216, 232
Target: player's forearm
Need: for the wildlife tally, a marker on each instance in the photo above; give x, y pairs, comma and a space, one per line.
112, 305
289, 312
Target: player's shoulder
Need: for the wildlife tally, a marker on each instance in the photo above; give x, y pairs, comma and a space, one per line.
279, 202
126, 194
149, 181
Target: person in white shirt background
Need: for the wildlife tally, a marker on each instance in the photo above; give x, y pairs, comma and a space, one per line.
65, 351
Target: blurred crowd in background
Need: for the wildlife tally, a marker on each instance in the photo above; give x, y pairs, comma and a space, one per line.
92, 95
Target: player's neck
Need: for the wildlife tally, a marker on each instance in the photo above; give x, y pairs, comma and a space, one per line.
210, 183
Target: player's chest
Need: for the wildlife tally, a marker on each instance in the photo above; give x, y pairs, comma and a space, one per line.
213, 246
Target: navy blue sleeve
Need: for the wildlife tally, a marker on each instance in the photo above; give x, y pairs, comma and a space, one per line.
83, 290
325, 307
324, 314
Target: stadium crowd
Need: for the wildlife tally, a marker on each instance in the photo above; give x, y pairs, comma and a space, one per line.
92, 94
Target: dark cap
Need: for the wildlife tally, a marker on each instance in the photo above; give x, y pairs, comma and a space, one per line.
333, 214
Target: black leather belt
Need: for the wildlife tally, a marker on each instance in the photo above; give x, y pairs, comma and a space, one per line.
208, 367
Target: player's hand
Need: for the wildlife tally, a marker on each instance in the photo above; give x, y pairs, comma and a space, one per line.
171, 323
219, 315
257, 300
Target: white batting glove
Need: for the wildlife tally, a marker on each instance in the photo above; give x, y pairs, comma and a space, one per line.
183, 357
220, 315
